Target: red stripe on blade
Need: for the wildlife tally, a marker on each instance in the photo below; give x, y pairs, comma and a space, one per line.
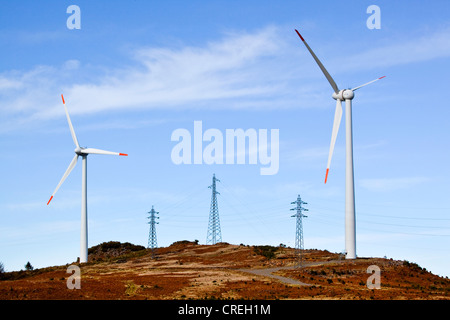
50, 200
326, 175
382, 77
123, 154
299, 35
63, 99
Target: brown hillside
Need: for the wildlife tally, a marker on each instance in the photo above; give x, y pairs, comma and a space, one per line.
186, 270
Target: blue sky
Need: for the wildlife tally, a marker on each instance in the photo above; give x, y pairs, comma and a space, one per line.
138, 70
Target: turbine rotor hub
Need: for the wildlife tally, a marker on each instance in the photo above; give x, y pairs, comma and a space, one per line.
78, 151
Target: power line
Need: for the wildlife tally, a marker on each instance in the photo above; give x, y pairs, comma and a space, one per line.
381, 223
383, 216
409, 218
328, 222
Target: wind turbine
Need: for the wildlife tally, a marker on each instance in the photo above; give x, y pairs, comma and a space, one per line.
346, 95
83, 152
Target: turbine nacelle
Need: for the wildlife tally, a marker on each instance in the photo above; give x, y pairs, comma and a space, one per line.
346, 94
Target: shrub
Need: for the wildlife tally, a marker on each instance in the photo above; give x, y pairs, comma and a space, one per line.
412, 265
266, 251
28, 266
183, 242
2, 271
111, 245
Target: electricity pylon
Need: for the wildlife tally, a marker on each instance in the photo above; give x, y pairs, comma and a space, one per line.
152, 243
299, 230
214, 234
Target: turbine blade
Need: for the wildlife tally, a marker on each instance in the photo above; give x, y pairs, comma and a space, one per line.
336, 124
72, 132
325, 72
98, 151
66, 174
365, 84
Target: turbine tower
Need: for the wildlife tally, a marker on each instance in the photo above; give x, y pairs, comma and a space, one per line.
214, 234
83, 152
299, 228
346, 95
152, 243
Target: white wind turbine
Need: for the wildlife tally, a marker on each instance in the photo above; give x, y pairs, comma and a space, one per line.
346, 95
83, 152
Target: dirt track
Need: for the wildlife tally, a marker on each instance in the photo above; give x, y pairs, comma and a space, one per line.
269, 272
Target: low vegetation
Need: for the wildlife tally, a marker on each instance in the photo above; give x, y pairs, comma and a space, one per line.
266, 251
115, 246
114, 251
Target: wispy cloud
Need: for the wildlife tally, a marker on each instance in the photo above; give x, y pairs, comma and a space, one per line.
241, 70
43, 229
163, 77
391, 184
415, 49
308, 154
374, 145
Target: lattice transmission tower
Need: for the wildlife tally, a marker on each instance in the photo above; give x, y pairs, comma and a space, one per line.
214, 234
152, 242
299, 230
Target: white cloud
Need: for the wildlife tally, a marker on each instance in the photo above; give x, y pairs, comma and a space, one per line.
42, 229
308, 154
72, 64
241, 70
374, 145
164, 77
414, 49
9, 84
387, 185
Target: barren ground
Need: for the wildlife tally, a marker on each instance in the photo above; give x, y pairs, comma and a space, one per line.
186, 270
